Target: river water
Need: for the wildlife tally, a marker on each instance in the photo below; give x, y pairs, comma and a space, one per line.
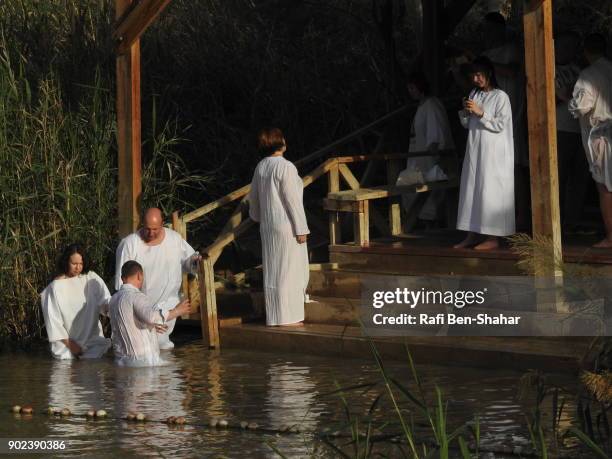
270, 389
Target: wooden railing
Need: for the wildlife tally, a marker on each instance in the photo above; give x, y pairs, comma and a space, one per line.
335, 168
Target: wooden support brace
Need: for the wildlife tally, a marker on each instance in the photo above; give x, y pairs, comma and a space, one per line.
361, 225
394, 167
132, 24
335, 205
333, 185
348, 177
208, 311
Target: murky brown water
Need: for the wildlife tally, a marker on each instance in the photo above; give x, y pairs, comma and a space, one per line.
269, 389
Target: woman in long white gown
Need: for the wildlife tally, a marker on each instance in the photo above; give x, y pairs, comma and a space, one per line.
486, 196
275, 201
71, 306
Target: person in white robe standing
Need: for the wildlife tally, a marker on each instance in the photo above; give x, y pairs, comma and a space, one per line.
136, 321
486, 195
430, 132
71, 306
592, 104
164, 256
275, 201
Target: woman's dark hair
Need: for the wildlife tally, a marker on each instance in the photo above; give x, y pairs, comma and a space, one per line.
419, 80
484, 65
64, 259
270, 140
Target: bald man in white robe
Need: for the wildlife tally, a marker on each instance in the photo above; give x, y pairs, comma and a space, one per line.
164, 256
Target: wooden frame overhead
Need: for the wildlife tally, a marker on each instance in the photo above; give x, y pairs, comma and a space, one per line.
132, 18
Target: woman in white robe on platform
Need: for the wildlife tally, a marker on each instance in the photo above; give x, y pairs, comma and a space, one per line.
71, 306
276, 203
486, 196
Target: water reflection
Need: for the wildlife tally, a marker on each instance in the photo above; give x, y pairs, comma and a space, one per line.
272, 390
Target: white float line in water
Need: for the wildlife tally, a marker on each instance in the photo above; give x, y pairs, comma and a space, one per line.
174, 421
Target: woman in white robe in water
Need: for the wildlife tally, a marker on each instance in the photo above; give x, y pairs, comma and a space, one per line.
71, 306
276, 203
486, 196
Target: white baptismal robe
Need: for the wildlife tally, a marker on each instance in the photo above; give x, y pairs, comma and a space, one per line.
133, 318
429, 126
592, 104
71, 309
276, 203
163, 265
486, 196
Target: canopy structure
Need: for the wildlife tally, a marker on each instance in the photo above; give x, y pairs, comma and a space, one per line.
133, 17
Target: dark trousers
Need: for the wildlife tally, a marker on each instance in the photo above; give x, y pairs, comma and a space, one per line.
574, 177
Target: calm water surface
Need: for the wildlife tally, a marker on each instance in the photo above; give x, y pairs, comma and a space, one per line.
267, 388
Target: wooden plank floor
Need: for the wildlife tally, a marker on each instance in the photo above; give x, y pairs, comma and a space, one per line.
519, 353
440, 243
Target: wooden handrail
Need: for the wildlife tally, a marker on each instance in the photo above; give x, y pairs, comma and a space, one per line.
231, 197
309, 178
353, 135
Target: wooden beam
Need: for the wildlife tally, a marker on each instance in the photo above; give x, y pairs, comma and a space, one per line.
348, 177
541, 115
131, 24
394, 167
208, 309
333, 185
361, 225
128, 132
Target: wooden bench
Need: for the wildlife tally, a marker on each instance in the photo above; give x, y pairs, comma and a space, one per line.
357, 201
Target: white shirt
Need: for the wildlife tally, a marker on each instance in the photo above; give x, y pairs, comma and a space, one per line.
133, 320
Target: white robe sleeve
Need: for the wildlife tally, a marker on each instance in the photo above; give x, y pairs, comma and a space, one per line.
254, 200
186, 255
102, 295
583, 98
292, 190
122, 255
501, 118
54, 322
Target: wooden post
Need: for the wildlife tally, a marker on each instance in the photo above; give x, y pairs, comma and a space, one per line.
333, 185
128, 131
361, 225
394, 167
433, 51
179, 227
208, 309
541, 115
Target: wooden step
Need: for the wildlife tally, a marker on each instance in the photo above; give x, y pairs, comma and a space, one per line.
520, 353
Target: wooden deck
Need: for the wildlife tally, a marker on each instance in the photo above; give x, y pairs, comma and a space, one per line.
331, 326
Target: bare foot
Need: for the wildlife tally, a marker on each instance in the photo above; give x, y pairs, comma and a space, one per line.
469, 240
296, 324
605, 244
489, 243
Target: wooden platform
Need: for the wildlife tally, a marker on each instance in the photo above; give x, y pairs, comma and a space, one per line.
549, 354
331, 321
433, 253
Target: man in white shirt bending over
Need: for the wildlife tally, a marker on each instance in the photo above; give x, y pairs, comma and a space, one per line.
592, 104
164, 256
136, 322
